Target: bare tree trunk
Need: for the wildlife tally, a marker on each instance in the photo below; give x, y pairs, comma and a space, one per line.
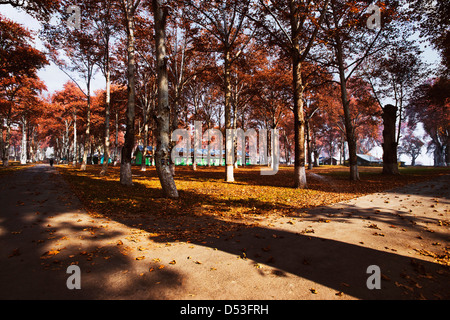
308, 145
349, 128
23, 148
125, 165
116, 141
87, 135
106, 142
145, 142
447, 152
299, 125
163, 111
75, 160
228, 142
390, 165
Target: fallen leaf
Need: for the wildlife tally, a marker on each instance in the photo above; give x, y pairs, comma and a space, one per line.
15, 252
52, 252
385, 277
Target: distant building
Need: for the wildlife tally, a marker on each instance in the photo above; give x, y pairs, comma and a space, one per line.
328, 161
368, 160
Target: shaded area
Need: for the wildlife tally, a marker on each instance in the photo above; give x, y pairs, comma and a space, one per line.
41, 236
332, 263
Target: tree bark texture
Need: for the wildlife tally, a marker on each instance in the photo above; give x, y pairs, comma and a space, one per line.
163, 110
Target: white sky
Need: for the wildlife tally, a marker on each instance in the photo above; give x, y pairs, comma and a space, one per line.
55, 78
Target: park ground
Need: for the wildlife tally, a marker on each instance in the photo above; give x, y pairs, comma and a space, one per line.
256, 238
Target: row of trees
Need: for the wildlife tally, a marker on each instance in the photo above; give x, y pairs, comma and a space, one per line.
312, 69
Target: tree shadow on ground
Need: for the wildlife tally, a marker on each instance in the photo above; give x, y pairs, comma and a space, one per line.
338, 265
40, 238
31, 272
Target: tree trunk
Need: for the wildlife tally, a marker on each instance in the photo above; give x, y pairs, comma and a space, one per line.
87, 135
125, 165
447, 153
163, 111
145, 142
390, 165
5, 159
299, 125
308, 145
106, 142
439, 152
23, 148
349, 128
75, 160
116, 141
228, 125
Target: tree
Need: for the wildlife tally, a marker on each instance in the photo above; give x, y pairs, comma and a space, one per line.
270, 100
433, 24
129, 8
349, 43
28, 109
104, 16
225, 22
429, 105
19, 63
146, 84
163, 114
411, 146
392, 76
17, 57
66, 104
80, 48
293, 27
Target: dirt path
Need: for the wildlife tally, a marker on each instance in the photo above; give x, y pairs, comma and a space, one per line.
323, 254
